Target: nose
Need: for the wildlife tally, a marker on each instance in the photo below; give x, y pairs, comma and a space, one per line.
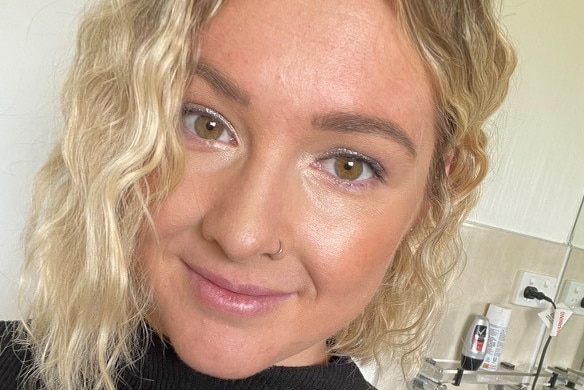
245, 214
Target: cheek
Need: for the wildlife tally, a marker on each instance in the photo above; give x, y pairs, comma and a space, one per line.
350, 258
179, 211
172, 219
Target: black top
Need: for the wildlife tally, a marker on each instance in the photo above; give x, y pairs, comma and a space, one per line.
162, 369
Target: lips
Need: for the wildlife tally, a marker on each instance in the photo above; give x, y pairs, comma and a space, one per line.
223, 296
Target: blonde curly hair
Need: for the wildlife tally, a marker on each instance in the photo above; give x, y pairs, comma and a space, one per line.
121, 104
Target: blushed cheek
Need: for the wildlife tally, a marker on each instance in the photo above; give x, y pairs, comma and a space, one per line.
174, 213
350, 289
353, 261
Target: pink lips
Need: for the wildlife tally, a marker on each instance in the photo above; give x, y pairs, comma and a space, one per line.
222, 295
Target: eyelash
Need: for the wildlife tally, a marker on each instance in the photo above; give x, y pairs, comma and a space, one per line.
322, 163
202, 111
376, 168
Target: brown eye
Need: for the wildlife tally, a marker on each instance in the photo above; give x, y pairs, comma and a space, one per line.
348, 168
209, 125
208, 128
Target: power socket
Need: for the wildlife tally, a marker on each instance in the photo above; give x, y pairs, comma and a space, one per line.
544, 283
572, 296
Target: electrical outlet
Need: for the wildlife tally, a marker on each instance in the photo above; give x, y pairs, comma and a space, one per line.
544, 283
572, 295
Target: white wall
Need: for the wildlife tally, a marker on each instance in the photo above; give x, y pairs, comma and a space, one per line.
578, 239
535, 187
578, 234
36, 41
537, 181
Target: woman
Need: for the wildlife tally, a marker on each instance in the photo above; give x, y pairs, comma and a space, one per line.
251, 194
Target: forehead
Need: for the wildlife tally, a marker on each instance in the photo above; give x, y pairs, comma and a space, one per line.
348, 55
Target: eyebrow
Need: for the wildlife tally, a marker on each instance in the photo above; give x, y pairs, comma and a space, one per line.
350, 122
222, 83
336, 121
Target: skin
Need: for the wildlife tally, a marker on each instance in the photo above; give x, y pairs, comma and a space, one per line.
273, 181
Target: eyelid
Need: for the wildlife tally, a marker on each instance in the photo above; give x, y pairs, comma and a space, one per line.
376, 167
192, 108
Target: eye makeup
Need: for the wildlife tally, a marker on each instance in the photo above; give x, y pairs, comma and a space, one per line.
207, 125
377, 170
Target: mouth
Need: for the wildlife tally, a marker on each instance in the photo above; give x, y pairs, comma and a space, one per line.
224, 296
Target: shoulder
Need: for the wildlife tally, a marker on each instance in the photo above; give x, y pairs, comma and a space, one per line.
12, 355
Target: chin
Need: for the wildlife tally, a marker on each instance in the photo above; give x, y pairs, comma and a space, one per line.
214, 358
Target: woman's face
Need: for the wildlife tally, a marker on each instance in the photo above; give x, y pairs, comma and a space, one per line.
307, 125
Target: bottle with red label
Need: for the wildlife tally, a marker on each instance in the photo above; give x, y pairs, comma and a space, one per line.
474, 346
